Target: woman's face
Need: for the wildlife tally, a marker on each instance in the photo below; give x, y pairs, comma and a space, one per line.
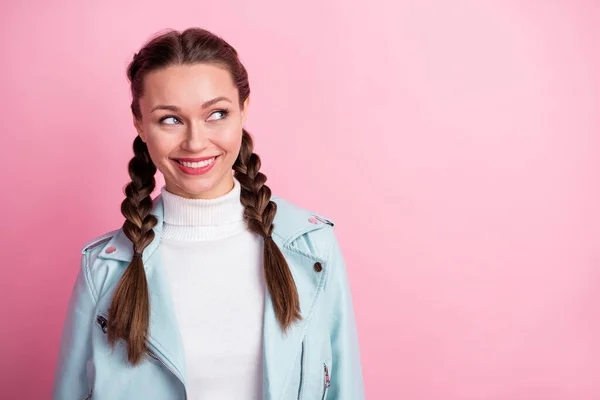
192, 111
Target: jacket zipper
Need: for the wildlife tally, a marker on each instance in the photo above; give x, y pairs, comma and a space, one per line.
301, 371
103, 323
151, 354
89, 395
327, 381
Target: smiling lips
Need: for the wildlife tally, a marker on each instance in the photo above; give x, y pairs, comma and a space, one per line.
198, 166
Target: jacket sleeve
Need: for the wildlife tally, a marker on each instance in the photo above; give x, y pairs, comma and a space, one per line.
346, 370
70, 375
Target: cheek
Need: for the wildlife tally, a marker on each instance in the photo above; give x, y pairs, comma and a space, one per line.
159, 149
229, 140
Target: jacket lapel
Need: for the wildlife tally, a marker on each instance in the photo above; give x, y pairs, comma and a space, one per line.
164, 336
280, 350
283, 350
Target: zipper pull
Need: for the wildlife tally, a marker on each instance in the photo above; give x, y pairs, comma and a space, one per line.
102, 322
327, 381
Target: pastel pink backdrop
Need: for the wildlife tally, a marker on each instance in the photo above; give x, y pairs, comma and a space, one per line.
456, 145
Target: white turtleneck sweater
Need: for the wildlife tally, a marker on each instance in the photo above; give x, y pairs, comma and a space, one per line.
215, 270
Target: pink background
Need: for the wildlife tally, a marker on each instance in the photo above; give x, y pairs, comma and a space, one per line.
455, 144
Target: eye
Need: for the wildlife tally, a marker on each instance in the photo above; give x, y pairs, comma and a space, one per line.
166, 118
224, 114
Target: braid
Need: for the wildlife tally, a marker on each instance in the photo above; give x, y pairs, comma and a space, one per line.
129, 314
130, 306
259, 213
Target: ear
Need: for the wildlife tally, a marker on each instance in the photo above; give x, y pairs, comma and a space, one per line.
245, 110
138, 128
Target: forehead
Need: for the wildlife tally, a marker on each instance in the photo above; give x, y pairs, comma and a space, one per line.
187, 85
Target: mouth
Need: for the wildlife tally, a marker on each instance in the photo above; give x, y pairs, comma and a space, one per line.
197, 164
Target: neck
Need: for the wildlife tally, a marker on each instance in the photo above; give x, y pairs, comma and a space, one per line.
202, 219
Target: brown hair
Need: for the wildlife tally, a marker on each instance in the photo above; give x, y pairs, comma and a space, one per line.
129, 313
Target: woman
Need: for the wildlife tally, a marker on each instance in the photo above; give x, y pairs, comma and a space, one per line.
214, 289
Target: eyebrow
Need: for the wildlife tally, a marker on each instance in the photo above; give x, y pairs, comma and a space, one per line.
205, 105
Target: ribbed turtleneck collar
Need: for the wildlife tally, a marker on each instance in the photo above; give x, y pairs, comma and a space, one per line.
202, 219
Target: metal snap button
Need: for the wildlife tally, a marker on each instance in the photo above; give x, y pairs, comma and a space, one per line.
318, 267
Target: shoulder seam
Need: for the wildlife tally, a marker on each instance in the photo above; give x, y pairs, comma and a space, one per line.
99, 240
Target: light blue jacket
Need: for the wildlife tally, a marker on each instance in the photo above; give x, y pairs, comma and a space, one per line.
317, 359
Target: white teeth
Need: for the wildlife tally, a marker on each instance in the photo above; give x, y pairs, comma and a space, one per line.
197, 164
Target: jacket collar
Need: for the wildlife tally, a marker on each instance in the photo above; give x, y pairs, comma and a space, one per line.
280, 350
290, 222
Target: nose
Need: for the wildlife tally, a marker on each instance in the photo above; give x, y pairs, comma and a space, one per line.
196, 137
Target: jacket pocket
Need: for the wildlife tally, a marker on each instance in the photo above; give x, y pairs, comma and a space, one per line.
326, 378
